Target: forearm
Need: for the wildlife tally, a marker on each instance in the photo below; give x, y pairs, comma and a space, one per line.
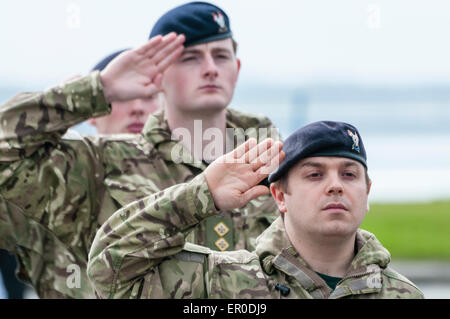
30, 120
133, 241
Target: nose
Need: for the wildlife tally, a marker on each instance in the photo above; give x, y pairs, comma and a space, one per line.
209, 67
137, 108
334, 186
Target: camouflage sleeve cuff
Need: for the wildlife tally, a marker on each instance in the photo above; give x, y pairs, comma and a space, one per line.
199, 199
83, 96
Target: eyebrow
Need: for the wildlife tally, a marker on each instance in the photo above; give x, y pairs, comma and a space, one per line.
320, 165
191, 51
350, 164
312, 164
214, 50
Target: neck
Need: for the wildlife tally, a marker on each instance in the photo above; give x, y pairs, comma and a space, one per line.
198, 143
330, 256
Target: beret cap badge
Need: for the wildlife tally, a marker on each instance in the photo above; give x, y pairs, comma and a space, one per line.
355, 139
220, 20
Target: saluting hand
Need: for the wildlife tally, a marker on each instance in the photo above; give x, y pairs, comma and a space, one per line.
137, 73
233, 178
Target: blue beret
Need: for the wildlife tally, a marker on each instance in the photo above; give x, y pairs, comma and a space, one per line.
103, 63
200, 22
323, 138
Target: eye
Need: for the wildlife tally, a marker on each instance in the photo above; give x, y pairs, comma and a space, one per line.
350, 175
222, 56
188, 58
314, 175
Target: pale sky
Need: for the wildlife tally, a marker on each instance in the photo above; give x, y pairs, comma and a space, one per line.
284, 41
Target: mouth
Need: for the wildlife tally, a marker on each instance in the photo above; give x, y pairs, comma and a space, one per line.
210, 87
335, 207
135, 127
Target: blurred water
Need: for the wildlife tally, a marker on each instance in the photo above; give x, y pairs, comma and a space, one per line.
434, 290
406, 132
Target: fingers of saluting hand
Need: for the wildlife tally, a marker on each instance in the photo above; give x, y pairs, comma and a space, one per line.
255, 153
272, 160
161, 51
149, 48
168, 49
170, 58
155, 44
239, 151
264, 161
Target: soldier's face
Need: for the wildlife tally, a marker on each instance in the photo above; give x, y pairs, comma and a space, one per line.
127, 116
325, 196
204, 77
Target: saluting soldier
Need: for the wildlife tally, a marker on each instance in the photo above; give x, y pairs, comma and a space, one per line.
56, 190
126, 116
313, 250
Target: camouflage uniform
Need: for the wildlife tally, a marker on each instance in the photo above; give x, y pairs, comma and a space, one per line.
56, 191
140, 252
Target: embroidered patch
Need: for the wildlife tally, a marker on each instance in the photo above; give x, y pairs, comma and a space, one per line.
221, 229
222, 244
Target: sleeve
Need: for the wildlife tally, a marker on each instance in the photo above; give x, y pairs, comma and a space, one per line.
50, 180
30, 120
131, 256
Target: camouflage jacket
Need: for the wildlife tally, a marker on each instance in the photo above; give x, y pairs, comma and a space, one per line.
140, 252
56, 190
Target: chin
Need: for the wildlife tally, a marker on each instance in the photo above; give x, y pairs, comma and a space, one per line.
211, 106
338, 229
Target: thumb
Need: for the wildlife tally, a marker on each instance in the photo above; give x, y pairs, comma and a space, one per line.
255, 192
150, 90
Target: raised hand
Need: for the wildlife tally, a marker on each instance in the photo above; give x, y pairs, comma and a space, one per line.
233, 178
137, 73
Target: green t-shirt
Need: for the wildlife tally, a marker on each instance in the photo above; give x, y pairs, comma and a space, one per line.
331, 281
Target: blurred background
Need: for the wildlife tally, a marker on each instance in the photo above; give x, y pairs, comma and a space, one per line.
383, 66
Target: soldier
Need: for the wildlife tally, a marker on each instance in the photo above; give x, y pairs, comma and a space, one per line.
56, 190
125, 116
313, 250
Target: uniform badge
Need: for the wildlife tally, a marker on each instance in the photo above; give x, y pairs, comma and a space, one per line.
222, 244
221, 229
355, 139
220, 20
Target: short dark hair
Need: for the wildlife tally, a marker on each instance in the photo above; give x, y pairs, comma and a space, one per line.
235, 45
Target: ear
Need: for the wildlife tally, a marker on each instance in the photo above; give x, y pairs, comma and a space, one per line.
278, 195
368, 191
238, 64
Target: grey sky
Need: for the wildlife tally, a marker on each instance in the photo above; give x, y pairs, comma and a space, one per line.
285, 41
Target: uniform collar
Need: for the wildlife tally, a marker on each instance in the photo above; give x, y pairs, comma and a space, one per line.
277, 253
157, 132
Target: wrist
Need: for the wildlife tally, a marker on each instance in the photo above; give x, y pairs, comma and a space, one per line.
107, 87
209, 184
201, 197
